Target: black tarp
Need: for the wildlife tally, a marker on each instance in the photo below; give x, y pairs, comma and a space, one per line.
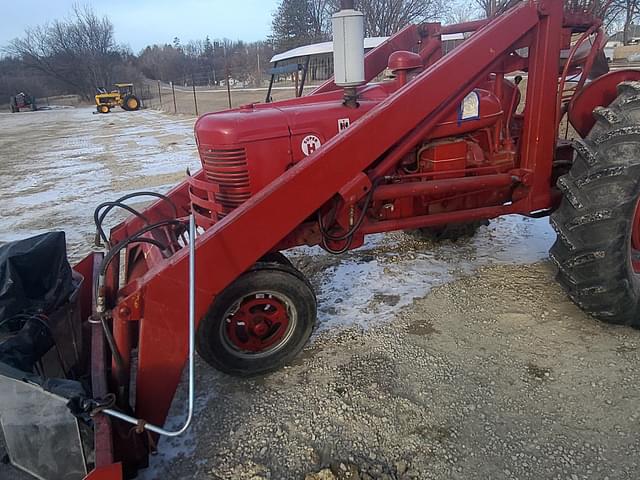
28, 346
20, 353
35, 275
36, 281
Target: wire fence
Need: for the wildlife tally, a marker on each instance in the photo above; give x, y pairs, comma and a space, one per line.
207, 90
196, 100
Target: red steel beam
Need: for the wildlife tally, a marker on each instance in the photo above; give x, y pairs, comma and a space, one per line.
235, 243
464, 27
539, 134
108, 472
102, 427
449, 186
436, 219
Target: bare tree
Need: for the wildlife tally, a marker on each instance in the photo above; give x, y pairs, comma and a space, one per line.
629, 10
80, 52
319, 19
460, 12
490, 8
385, 17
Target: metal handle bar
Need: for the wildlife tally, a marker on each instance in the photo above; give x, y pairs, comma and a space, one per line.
192, 327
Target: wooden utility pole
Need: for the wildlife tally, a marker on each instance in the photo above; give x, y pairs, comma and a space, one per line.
173, 92
229, 87
195, 99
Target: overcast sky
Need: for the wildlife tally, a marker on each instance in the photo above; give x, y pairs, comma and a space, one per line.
139, 23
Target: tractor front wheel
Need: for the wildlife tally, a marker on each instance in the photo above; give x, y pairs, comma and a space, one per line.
276, 257
259, 323
597, 249
103, 109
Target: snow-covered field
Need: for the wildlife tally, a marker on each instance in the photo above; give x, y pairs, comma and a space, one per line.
58, 165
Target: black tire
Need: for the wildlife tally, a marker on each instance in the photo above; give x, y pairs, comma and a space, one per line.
131, 103
453, 231
276, 257
594, 223
214, 340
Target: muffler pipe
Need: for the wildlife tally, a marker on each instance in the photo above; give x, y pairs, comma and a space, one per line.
348, 51
192, 336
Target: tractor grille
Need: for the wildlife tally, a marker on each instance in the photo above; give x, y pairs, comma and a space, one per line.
228, 169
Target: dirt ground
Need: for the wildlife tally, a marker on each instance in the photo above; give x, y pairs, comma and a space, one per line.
430, 361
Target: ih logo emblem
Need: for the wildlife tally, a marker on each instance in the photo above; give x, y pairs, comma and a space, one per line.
310, 144
343, 124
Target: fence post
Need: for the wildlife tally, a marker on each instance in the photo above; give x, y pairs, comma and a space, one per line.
173, 92
195, 99
160, 94
229, 89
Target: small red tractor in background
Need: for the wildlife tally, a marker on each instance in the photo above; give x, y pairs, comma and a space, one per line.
444, 143
22, 101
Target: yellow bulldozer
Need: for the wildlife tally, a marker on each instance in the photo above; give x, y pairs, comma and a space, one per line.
121, 96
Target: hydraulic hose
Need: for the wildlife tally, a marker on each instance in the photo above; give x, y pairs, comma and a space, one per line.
349, 234
98, 217
98, 220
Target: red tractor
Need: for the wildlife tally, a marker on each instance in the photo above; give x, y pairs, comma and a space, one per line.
451, 140
22, 101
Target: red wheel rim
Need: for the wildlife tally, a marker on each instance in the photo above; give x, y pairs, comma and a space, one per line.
635, 240
259, 323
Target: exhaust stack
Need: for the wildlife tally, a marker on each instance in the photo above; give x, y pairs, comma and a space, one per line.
348, 51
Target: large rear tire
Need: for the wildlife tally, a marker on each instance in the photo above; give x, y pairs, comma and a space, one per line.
131, 103
597, 249
259, 323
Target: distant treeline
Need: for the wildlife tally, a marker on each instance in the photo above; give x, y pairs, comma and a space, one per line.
80, 55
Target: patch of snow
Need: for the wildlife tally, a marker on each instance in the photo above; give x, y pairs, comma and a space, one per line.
74, 160
363, 293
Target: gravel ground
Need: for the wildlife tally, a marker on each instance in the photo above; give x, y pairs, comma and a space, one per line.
494, 376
